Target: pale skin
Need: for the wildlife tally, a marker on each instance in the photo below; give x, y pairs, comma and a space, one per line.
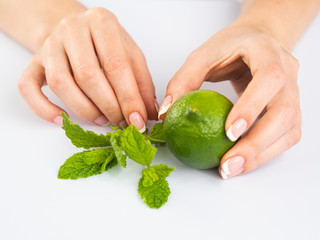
92, 64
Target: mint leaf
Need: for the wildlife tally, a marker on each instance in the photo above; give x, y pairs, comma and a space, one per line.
116, 127
136, 147
155, 195
115, 142
111, 164
156, 172
84, 139
85, 164
108, 163
156, 135
153, 186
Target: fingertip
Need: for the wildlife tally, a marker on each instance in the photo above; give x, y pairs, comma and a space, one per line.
136, 119
30, 86
153, 110
232, 167
223, 174
165, 105
236, 129
58, 120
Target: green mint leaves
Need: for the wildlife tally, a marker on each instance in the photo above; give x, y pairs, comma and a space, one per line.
115, 142
153, 186
156, 135
136, 147
86, 164
115, 148
84, 139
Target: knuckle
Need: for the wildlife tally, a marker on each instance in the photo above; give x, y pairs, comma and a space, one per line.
85, 74
114, 64
68, 22
48, 43
295, 136
277, 73
56, 80
22, 86
200, 58
101, 15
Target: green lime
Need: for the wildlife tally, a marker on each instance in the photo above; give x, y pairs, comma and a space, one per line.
194, 128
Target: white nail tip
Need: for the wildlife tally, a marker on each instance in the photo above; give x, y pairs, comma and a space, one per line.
230, 135
142, 130
163, 110
223, 175
157, 107
225, 167
107, 124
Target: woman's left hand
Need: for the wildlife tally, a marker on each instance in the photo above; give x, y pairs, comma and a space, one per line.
264, 74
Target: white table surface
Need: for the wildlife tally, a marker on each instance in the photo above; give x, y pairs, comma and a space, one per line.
278, 201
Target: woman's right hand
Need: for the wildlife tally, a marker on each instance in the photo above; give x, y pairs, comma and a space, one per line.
91, 63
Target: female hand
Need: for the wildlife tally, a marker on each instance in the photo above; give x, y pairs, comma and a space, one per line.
91, 63
264, 74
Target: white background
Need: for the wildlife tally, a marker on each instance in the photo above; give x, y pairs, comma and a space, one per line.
278, 201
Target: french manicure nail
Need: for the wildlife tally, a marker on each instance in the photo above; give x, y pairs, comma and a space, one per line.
232, 167
123, 124
58, 120
237, 129
223, 174
156, 105
165, 105
136, 119
102, 120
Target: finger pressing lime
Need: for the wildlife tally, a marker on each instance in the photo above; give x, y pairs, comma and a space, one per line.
194, 128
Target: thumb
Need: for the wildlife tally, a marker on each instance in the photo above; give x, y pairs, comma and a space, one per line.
189, 78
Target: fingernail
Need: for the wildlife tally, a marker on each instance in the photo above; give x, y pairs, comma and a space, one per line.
232, 167
123, 124
165, 106
156, 105
237, 129
136, 119
102, 120
58, 120
223, 175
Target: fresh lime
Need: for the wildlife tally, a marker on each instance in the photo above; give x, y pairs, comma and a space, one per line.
194, 128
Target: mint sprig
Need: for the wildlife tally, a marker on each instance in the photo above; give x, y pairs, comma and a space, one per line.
86, 163
136, 147
153, 186
115, 142
123, 143
84, 139
156, 135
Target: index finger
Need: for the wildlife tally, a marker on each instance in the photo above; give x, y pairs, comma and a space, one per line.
108, 40
268, 64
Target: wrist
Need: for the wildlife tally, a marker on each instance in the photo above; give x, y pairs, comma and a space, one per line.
265, 27
31, 22
284, 20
